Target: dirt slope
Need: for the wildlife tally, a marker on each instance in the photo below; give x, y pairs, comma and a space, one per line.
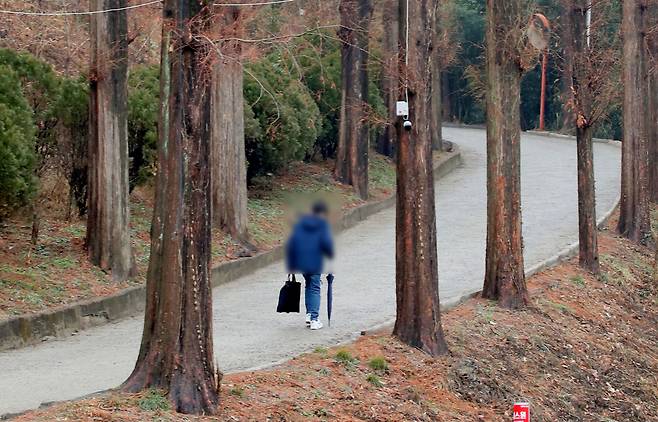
587, 350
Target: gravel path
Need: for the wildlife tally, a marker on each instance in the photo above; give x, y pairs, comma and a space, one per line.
248, 333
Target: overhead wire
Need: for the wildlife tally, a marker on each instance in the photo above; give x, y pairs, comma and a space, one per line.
260, 3
134, 6
75, 13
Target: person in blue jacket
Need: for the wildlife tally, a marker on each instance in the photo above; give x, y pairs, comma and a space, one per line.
309, 244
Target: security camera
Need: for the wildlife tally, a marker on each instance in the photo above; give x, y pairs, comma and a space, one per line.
407, 125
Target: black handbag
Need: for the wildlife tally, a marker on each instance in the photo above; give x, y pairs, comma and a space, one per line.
290, 295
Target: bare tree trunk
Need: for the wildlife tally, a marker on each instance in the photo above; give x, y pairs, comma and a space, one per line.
229, 164
655, 265
79, 171
390, 76
653, 98
504, 275
587, 231
446, 106
577, 54
436, 112
176, 353
653, 135
108, 234
352, 154
418, 317
435, 107
566, 33
634, 218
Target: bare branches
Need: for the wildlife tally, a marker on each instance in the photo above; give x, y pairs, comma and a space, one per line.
598, 63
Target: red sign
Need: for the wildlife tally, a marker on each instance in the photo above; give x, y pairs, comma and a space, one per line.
521, 412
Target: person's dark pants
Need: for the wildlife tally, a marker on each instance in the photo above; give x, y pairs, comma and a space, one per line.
312, 295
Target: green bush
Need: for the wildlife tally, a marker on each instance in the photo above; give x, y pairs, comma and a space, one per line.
287, 117
41, 88
143, 111
17, 137
319, 60
58, 108
321, 66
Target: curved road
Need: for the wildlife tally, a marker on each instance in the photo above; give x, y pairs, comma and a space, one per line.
248, 333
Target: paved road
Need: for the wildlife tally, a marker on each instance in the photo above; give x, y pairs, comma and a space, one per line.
248, 333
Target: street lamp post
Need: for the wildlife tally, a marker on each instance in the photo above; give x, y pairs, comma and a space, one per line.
544, 64
542, 105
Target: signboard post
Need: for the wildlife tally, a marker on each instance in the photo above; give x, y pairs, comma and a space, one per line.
521, 412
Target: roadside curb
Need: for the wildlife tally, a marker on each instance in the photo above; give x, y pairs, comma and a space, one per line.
571, 137
452, 303
563, 255
32, 329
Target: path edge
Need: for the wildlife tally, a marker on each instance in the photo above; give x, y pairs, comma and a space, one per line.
446, 305
35, 328
563, 255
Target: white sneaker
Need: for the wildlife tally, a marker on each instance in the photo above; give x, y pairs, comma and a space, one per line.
316, 325
308, 319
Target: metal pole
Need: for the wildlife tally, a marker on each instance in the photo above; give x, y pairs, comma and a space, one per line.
544, 64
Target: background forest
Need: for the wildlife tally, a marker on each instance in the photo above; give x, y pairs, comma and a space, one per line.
291, 92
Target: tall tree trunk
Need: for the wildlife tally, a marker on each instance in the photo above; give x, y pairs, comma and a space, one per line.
653, 98
353, 133
176, 353
436, 112
79, 170
108, 234
504, 278
655, 265
634, 217
229, 164
418, 317
653, 136
390, 76
587, 231
446, 106
577, 55
566, 33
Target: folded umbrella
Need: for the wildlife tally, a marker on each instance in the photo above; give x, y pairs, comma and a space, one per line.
330, 282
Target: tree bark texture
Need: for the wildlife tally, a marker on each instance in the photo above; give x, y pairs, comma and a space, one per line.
418, 317
108, 233
176, 352
588, 256
504, 275
229, 163
655, 265
566, 33
353, 131
436, 111
653, 98
390, 76
634, 217
577, 55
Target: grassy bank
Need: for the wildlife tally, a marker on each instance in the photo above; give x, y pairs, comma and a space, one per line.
56, 271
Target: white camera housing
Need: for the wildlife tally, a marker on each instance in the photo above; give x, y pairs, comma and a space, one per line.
402, 108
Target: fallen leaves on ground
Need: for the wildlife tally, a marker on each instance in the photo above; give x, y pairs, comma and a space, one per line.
586, 350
